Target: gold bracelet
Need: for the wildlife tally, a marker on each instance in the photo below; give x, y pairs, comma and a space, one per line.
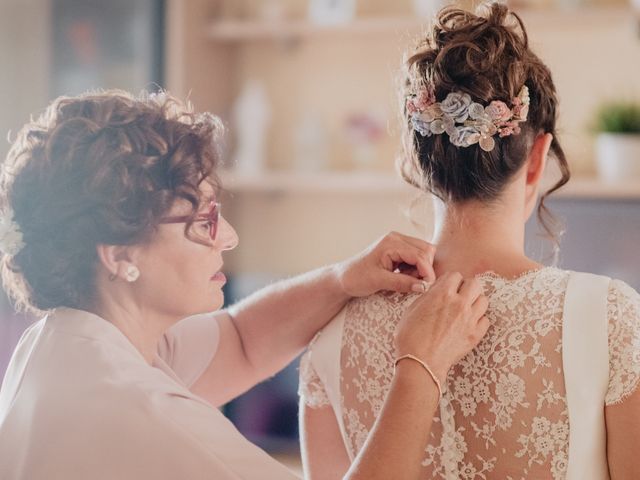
424, 365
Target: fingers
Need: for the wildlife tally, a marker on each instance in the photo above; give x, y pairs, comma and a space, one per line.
470, 289
480, 331
450, 282
407, 269
399, 282
420, 249
483, 326
411, 256
479, 307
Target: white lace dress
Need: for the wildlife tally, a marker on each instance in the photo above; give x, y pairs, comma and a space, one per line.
504, 411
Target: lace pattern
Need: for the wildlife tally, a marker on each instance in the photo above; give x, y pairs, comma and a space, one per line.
504, 411
624, 341
310, 389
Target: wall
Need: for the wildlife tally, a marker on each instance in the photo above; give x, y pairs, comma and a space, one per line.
24, 59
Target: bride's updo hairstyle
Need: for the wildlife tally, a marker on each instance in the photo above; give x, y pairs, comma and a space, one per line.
101, 168
485, 55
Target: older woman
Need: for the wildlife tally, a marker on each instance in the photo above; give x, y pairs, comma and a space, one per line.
110, 224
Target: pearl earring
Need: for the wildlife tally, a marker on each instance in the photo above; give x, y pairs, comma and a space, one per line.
132, 273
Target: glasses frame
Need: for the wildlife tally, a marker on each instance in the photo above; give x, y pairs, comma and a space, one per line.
212, 216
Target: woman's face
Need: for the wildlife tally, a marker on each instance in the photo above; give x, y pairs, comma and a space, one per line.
180, 277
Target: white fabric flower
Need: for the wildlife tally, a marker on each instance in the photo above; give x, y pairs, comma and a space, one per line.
420, 126
524, 96
456, 105
11, 241
464, 136
476, 111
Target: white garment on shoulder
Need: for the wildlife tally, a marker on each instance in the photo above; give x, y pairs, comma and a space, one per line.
79, 401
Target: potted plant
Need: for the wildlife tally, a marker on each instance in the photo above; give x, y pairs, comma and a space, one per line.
618, 141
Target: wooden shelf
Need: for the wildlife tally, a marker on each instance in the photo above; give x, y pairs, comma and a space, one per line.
358, 183
234, 31
312, 183
252, 30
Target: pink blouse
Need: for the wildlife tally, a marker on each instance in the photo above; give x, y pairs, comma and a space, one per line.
79, 401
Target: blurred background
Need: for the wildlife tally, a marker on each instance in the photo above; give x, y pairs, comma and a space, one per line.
307, 91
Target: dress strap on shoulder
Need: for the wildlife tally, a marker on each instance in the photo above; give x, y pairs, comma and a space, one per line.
585, 358
325, 358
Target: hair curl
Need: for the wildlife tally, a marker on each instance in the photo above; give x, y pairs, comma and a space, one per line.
100, 168
486, 55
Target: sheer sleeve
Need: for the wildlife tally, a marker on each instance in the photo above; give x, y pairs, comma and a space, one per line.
311, 389
624, 341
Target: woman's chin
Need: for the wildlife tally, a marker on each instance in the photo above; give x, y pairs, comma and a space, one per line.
210, 304
218, 301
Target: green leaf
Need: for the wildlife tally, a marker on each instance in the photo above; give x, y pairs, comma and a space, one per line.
618, 117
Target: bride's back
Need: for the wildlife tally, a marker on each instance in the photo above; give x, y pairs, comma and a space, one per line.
504, 411
504, 408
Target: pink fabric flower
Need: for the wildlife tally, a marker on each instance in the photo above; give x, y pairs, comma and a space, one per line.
498, 111
517, 109
509, 128
411, 108
524, 112
424, 99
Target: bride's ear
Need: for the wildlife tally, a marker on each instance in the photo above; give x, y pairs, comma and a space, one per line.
535, 166
538, 159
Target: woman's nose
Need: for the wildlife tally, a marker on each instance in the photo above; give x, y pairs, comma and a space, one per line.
227, 238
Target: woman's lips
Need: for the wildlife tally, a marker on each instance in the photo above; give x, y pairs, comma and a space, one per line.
219, 277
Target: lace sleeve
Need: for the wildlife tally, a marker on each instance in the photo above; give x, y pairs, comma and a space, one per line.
624, 341
311, 388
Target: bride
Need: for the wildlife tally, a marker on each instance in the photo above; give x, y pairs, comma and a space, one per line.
551, 390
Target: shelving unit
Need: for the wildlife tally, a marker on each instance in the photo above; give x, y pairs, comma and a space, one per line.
252, 30
237, 31
364, 183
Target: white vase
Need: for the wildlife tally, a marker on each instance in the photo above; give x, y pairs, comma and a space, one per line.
428, 8
618, 156
331, 12
251, 115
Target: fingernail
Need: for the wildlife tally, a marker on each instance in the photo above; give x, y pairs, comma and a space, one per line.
420, 287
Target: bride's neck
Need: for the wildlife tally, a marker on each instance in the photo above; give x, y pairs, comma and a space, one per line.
475, 237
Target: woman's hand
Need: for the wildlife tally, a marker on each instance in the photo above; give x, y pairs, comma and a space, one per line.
444, 324
395, 262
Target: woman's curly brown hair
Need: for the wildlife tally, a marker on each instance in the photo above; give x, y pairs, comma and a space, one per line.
100, 168
487, 56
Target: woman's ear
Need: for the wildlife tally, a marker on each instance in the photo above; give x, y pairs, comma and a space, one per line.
116, 259
538, 158
534, 169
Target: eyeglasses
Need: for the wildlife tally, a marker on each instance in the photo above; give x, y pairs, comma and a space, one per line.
212, 217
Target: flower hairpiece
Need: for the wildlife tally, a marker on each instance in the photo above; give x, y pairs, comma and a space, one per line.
11, 241
467, 122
